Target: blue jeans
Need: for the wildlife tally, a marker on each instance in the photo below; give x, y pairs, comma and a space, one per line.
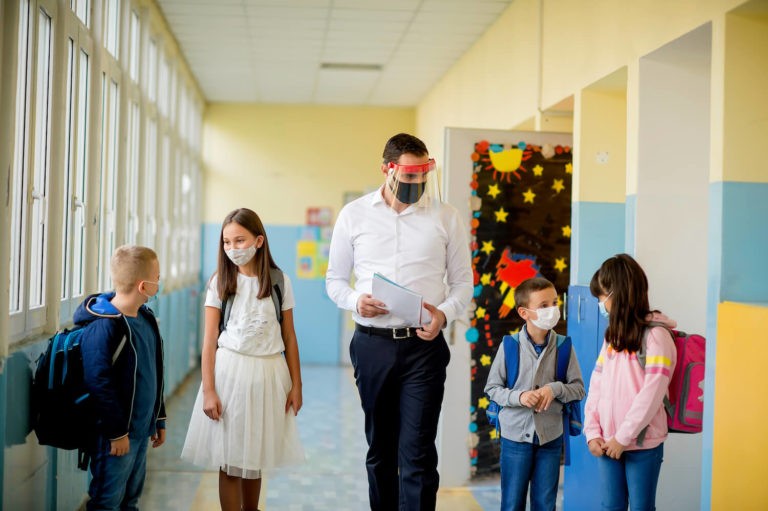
117, 480
522, 463
633, 478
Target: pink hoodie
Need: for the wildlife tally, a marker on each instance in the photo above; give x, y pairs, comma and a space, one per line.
624, 398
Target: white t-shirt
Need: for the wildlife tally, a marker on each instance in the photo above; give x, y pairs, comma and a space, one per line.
252, 328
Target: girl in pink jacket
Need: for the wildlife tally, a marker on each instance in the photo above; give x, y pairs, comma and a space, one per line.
625, 422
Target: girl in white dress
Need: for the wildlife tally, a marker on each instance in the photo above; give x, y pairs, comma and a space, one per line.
244, 417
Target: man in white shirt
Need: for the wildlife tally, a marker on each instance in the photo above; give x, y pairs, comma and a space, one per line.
404, 232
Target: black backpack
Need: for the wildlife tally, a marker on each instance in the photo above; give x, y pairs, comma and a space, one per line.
63, 414
278, 288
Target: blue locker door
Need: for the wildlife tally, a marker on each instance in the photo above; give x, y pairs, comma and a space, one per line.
586, 327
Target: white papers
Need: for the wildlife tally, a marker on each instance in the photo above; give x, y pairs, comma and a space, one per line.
400, 301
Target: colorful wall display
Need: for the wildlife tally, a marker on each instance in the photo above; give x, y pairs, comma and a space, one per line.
314, 244
520, 228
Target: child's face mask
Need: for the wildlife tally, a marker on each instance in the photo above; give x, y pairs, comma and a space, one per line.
241, 256
546, 317
153, 297
601, 306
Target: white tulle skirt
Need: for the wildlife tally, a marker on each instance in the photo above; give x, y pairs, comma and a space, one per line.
254, 433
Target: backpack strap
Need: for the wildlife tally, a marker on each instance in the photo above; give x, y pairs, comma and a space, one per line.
641, 356
511, 358
563, 357
278, 289
277, 292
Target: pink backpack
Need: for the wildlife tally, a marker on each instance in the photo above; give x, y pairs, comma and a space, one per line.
685, 405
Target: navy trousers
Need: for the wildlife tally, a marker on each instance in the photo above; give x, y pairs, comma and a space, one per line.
401, 385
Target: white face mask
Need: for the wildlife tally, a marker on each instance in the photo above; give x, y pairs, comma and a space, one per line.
547, 317
241, 256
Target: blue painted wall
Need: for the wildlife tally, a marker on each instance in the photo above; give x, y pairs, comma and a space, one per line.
316, 317
47, 478
598, 233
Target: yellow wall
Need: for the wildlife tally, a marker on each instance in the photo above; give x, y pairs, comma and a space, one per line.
281, 159
497, 84
744, 111
740, 443
602, 117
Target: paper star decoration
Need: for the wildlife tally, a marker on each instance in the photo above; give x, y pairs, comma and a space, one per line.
560, 264
483, 402
529, 196
501, 215
487, 247
566, 231
569, 168
480, 312
485, 360
538, 170
485, 279
558, 186
493, 190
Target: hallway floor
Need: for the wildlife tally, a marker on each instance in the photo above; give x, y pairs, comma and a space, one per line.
333, 477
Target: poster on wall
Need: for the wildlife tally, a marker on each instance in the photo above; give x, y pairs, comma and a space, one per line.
520, 204
314, 244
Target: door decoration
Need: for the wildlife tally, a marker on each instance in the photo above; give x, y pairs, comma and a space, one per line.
520, 228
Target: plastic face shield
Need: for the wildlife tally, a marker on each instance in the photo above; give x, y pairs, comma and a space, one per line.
414, 184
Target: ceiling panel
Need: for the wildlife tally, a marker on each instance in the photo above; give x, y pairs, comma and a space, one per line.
273, 50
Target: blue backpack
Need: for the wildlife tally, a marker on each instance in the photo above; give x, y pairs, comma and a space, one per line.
572, 420
63, 415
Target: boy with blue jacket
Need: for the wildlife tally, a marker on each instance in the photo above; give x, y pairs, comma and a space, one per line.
123, 370
531, 418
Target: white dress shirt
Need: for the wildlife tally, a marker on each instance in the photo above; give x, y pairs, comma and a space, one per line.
424, 248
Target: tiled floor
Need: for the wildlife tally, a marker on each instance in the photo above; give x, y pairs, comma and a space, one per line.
333, 477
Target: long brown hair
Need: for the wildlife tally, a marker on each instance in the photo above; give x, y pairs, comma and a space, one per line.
624, 280
262, 261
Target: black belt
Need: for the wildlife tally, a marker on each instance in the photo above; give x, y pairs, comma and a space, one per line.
390, 333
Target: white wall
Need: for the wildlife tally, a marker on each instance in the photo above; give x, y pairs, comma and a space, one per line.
672, 204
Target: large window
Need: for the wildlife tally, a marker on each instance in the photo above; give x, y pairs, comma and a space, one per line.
75, 169
100, 154
19, 210
109, 154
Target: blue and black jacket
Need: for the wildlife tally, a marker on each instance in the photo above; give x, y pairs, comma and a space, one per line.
112, 383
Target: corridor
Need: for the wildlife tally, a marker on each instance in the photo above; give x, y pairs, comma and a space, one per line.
333, 477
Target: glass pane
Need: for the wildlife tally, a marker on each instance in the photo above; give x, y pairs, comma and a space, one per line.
20, 170
152, 71
150, 185
133, 174
172, 98
82, 9
66, 217
78, 240
165, 205
39, 213
112, 26
162, 83
108, 179
134, 57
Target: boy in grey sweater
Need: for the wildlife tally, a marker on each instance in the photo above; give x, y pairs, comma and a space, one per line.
531, 417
